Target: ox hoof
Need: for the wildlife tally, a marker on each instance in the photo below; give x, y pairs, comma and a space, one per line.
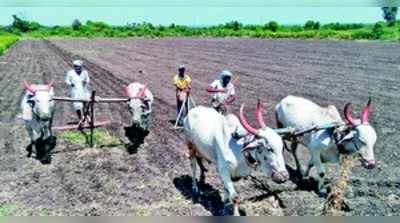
196, 197
228, 210
323, 192
29, 151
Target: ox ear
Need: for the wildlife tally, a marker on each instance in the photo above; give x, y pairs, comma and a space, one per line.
349, 136
250, 159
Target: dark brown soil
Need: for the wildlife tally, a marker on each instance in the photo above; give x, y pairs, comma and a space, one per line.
155, 179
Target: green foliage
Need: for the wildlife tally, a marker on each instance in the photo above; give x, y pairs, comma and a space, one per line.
389, 14
339, 26
76, 25
8, 210
234, 25
6, 41
362, 34
378, 30
272, 26
311, 25
311, 29
100, 136
20, 25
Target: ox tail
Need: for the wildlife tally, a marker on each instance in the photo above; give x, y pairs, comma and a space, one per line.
192, 149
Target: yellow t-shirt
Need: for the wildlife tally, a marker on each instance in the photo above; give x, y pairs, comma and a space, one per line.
182, 83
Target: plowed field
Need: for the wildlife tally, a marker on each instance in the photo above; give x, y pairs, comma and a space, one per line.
156, 179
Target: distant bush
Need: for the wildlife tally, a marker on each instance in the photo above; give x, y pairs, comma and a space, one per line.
76, 24
362, 34
311, 29
339, 26
377, 30
234, 25
272, 25
311, 25
6, 41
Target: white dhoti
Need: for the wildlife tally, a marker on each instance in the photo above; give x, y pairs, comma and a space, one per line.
79, 93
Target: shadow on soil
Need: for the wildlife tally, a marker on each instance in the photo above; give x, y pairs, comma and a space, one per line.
136, 138
303, 184
44, 149
209, 197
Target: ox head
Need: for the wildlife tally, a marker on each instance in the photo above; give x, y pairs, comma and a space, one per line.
359, 136
139, 107
265, 149
40, 98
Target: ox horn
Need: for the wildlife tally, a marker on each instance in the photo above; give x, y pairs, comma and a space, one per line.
50, 85
246, 124
366, 111
28, 87
259, 115
142, 92
348, 114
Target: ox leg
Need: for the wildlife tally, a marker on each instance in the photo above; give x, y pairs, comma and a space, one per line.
203, 170
29, 148
230, 193
33, 149
309, 166
194, 181
193, 164
322, 190
293, 147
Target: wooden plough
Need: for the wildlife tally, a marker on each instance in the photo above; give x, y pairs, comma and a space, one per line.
88, 120
191, 104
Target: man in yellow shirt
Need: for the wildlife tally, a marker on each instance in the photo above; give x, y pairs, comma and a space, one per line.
182, 84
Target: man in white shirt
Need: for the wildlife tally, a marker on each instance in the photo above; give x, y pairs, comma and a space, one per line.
223, 92
78, 81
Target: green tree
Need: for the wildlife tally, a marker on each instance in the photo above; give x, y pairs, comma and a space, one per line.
272, 25
310, 24
76, 25
377, 30
234, 25
389, 14
20, 24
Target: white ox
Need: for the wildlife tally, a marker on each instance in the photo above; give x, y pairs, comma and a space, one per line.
37, 112
139, 104
215, 138
326, 145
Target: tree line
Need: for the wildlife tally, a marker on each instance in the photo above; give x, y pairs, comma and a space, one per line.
390, 29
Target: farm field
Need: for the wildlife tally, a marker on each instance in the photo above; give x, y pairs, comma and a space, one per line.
156, 179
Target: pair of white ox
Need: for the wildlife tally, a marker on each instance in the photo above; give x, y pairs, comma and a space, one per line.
238, 150
38, 109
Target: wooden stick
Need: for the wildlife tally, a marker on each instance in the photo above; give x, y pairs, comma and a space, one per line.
92, 118
180, 112
111, 100
97, 100
69, 99
83, 126
192, 101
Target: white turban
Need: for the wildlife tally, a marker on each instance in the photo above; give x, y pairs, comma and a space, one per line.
226, 73
78, 63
